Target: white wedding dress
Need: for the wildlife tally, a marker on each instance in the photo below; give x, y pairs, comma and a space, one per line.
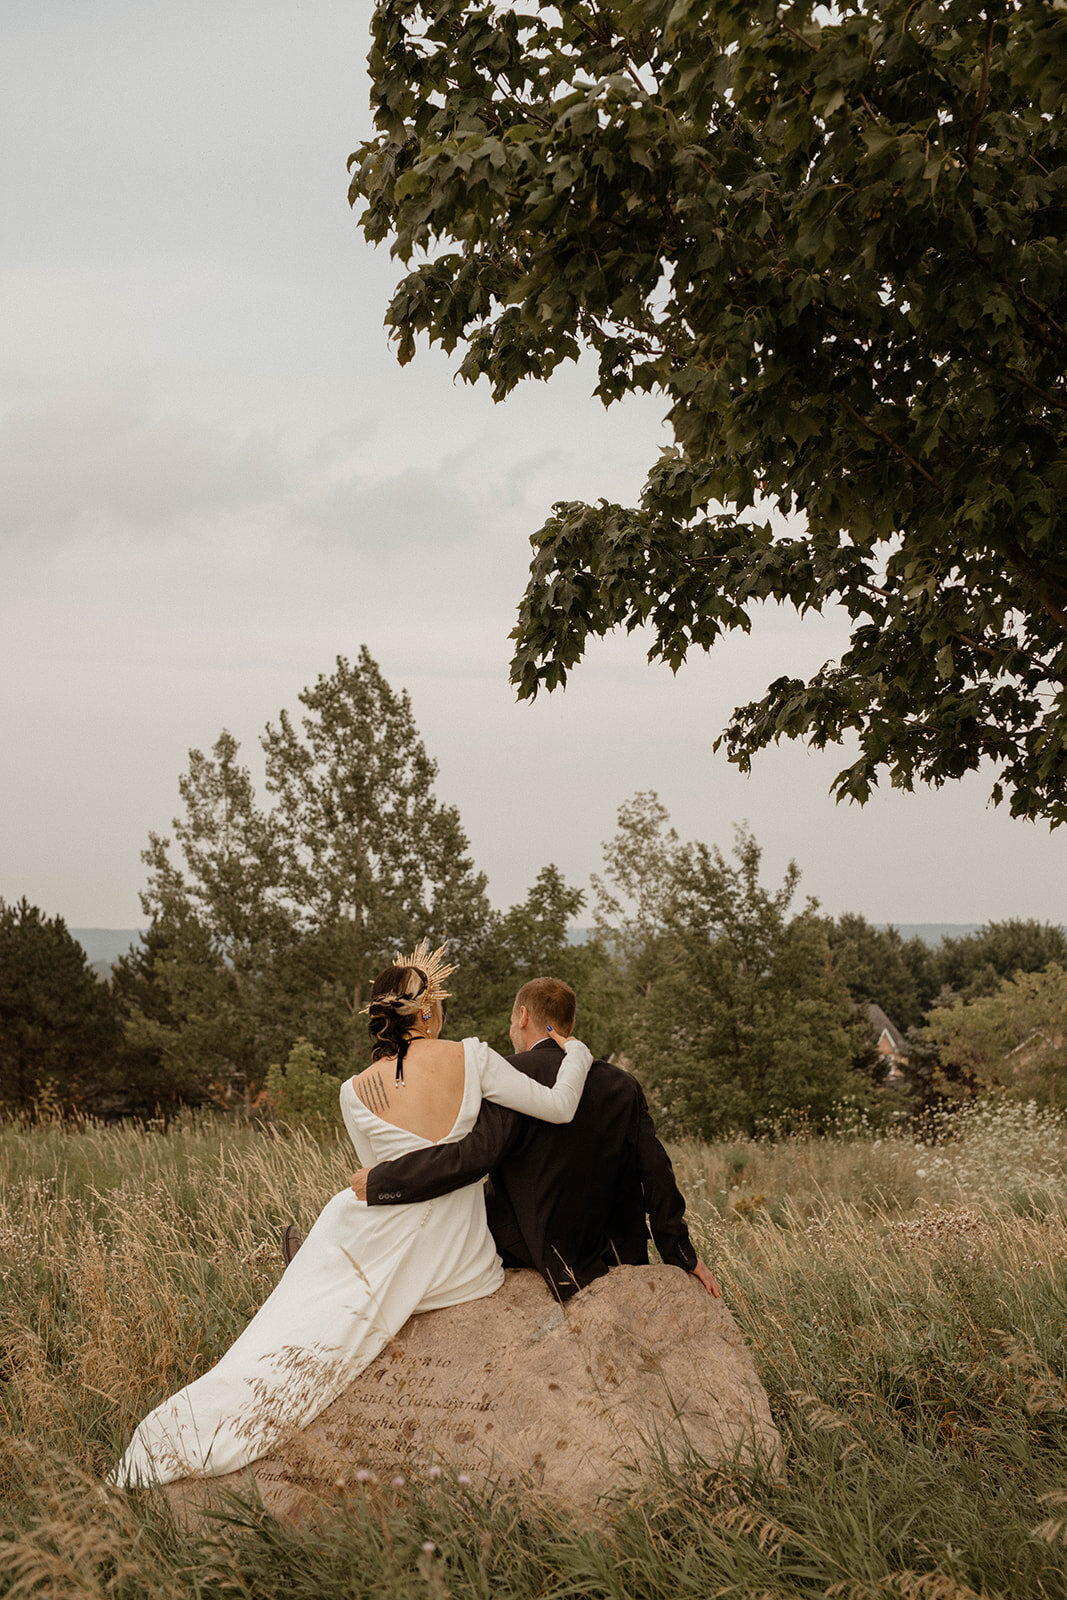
361, 1273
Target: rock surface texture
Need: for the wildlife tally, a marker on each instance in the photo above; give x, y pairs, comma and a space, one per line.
519, 1389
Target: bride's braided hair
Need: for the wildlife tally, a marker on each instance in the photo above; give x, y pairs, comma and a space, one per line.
396, 997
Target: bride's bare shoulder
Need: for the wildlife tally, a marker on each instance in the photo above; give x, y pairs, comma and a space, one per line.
375, 1066
438, 1053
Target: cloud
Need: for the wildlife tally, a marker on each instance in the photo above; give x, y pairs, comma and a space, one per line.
99, 469
415, 506
95, 459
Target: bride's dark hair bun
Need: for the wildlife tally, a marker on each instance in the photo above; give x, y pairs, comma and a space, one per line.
395, 997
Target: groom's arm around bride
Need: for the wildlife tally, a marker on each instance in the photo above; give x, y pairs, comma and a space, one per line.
570, 1201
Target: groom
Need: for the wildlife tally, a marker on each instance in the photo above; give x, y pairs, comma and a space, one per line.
569, 1200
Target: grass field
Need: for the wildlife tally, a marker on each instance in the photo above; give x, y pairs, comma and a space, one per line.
906, 1305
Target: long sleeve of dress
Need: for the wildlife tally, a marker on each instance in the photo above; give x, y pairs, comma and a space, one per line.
507, 1086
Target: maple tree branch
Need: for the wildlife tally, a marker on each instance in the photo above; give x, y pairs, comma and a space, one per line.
989, 730
610, 24
1008, 644
983, 94
976, 644
795, 33
1034, 388
886, 438
1000, 646
1041, 313
1039, 581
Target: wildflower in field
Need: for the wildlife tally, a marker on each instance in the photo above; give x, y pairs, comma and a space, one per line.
1016, 1147
398, 1482
435, 1474
941, 1227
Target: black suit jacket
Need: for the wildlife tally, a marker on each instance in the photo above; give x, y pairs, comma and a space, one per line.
570, 1200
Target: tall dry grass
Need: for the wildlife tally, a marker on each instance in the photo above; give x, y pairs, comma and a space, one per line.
905, 1302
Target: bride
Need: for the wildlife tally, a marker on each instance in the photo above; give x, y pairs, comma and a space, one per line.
362, 1271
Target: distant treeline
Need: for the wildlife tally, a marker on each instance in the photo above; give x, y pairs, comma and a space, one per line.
105, 946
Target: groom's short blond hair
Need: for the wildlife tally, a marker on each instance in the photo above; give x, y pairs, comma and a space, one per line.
549, 1000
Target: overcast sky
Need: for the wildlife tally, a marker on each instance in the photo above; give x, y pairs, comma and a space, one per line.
214, 479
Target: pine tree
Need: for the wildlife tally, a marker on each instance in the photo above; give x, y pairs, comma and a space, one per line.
59, 1037
369, 859
219, 928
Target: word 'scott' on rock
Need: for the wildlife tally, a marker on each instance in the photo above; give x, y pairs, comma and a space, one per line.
519, 1389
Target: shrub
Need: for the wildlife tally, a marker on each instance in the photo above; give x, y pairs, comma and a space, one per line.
300, 1092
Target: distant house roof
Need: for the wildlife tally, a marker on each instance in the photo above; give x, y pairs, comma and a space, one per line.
881, 1024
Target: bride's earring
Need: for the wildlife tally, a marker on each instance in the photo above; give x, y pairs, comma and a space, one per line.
426, 1015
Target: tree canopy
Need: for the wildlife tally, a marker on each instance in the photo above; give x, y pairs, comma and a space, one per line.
907, 977
974, 965
1013, 1037
271, 916
903, 976
272, 919
832, 240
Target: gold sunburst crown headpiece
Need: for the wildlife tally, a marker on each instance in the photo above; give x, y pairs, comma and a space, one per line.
431, 965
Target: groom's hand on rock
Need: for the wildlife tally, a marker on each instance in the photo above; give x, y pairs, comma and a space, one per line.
703, 1275
359, 1183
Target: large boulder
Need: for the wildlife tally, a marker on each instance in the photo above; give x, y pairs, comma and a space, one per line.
521, 1390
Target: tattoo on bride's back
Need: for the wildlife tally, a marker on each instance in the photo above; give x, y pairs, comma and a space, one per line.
373, 1094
